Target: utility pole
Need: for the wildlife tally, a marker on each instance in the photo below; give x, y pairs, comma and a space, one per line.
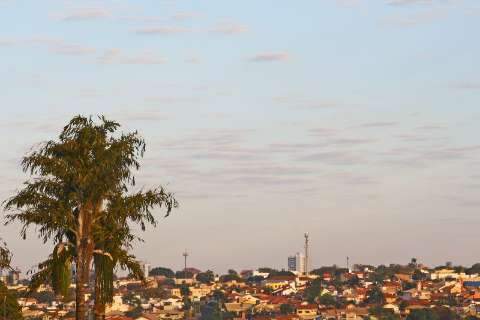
306, 253
185, 255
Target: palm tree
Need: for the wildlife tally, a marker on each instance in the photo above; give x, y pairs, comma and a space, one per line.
80, 180
5, 255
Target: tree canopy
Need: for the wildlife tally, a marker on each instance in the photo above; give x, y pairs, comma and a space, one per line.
162, 271
79, 197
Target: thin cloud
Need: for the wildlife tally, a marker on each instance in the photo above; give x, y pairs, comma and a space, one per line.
61, 47
466, 85
269, 57
85, 14
115, 55
379, 124
408, 2
185, 15
230, 29
167, 30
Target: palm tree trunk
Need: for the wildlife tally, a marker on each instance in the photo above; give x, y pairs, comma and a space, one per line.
84, 258
99, 304
81, 282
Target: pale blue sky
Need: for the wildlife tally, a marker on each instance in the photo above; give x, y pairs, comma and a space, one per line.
355, 120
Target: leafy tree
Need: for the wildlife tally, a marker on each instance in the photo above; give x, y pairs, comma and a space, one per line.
8, 304
418, 275
267, 270
206, 277
5, 255
183, 275
211, 311
385, 314
375, 296
286, 308
184, 290
474, 269
79, 181
135, 312
327, 300
313, 290
232, 272
433, 314
280, 273
230, 277
161, 271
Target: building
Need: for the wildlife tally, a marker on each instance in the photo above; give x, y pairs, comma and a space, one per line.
145, 268
301, 263
292, 263
297, 263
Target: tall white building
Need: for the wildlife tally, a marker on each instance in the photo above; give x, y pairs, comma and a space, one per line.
297, 263
301, 263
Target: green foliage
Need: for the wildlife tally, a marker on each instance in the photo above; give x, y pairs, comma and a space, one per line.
5, 255
184, 290
135, 312
383, 314
230, 277
183, 275
8, 304
418, 275
161, 271
206, 277
79, 198
267, 270
286, 308
313, 290
375, 296
440, 313
474, 269
327, 300
280, 273
211, 311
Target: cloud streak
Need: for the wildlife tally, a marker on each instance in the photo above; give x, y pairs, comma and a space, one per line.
270, 57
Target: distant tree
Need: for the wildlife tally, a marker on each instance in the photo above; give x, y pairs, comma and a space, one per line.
459, 269
375, 296
10, 308
384, 314
5, 255
449, 264
230, 277
255, 279
211, 311
280, 273
183, 275
206, 277
440, 313
327, 300
286, 308
184, 290
161, 271
474, 269
267, 270
418, 275
313, 290
219, 296
135, 312
232, 272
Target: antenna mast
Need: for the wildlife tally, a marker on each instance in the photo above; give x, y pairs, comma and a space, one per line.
306, 253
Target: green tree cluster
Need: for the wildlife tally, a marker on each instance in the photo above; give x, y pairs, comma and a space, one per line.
161, 271
79, 199
9, 308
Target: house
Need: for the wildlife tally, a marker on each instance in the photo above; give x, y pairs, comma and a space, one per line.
307, 311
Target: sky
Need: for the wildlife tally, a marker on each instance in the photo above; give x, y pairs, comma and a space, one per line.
353, 120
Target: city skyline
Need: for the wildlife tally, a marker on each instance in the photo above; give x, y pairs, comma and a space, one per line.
353, 120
